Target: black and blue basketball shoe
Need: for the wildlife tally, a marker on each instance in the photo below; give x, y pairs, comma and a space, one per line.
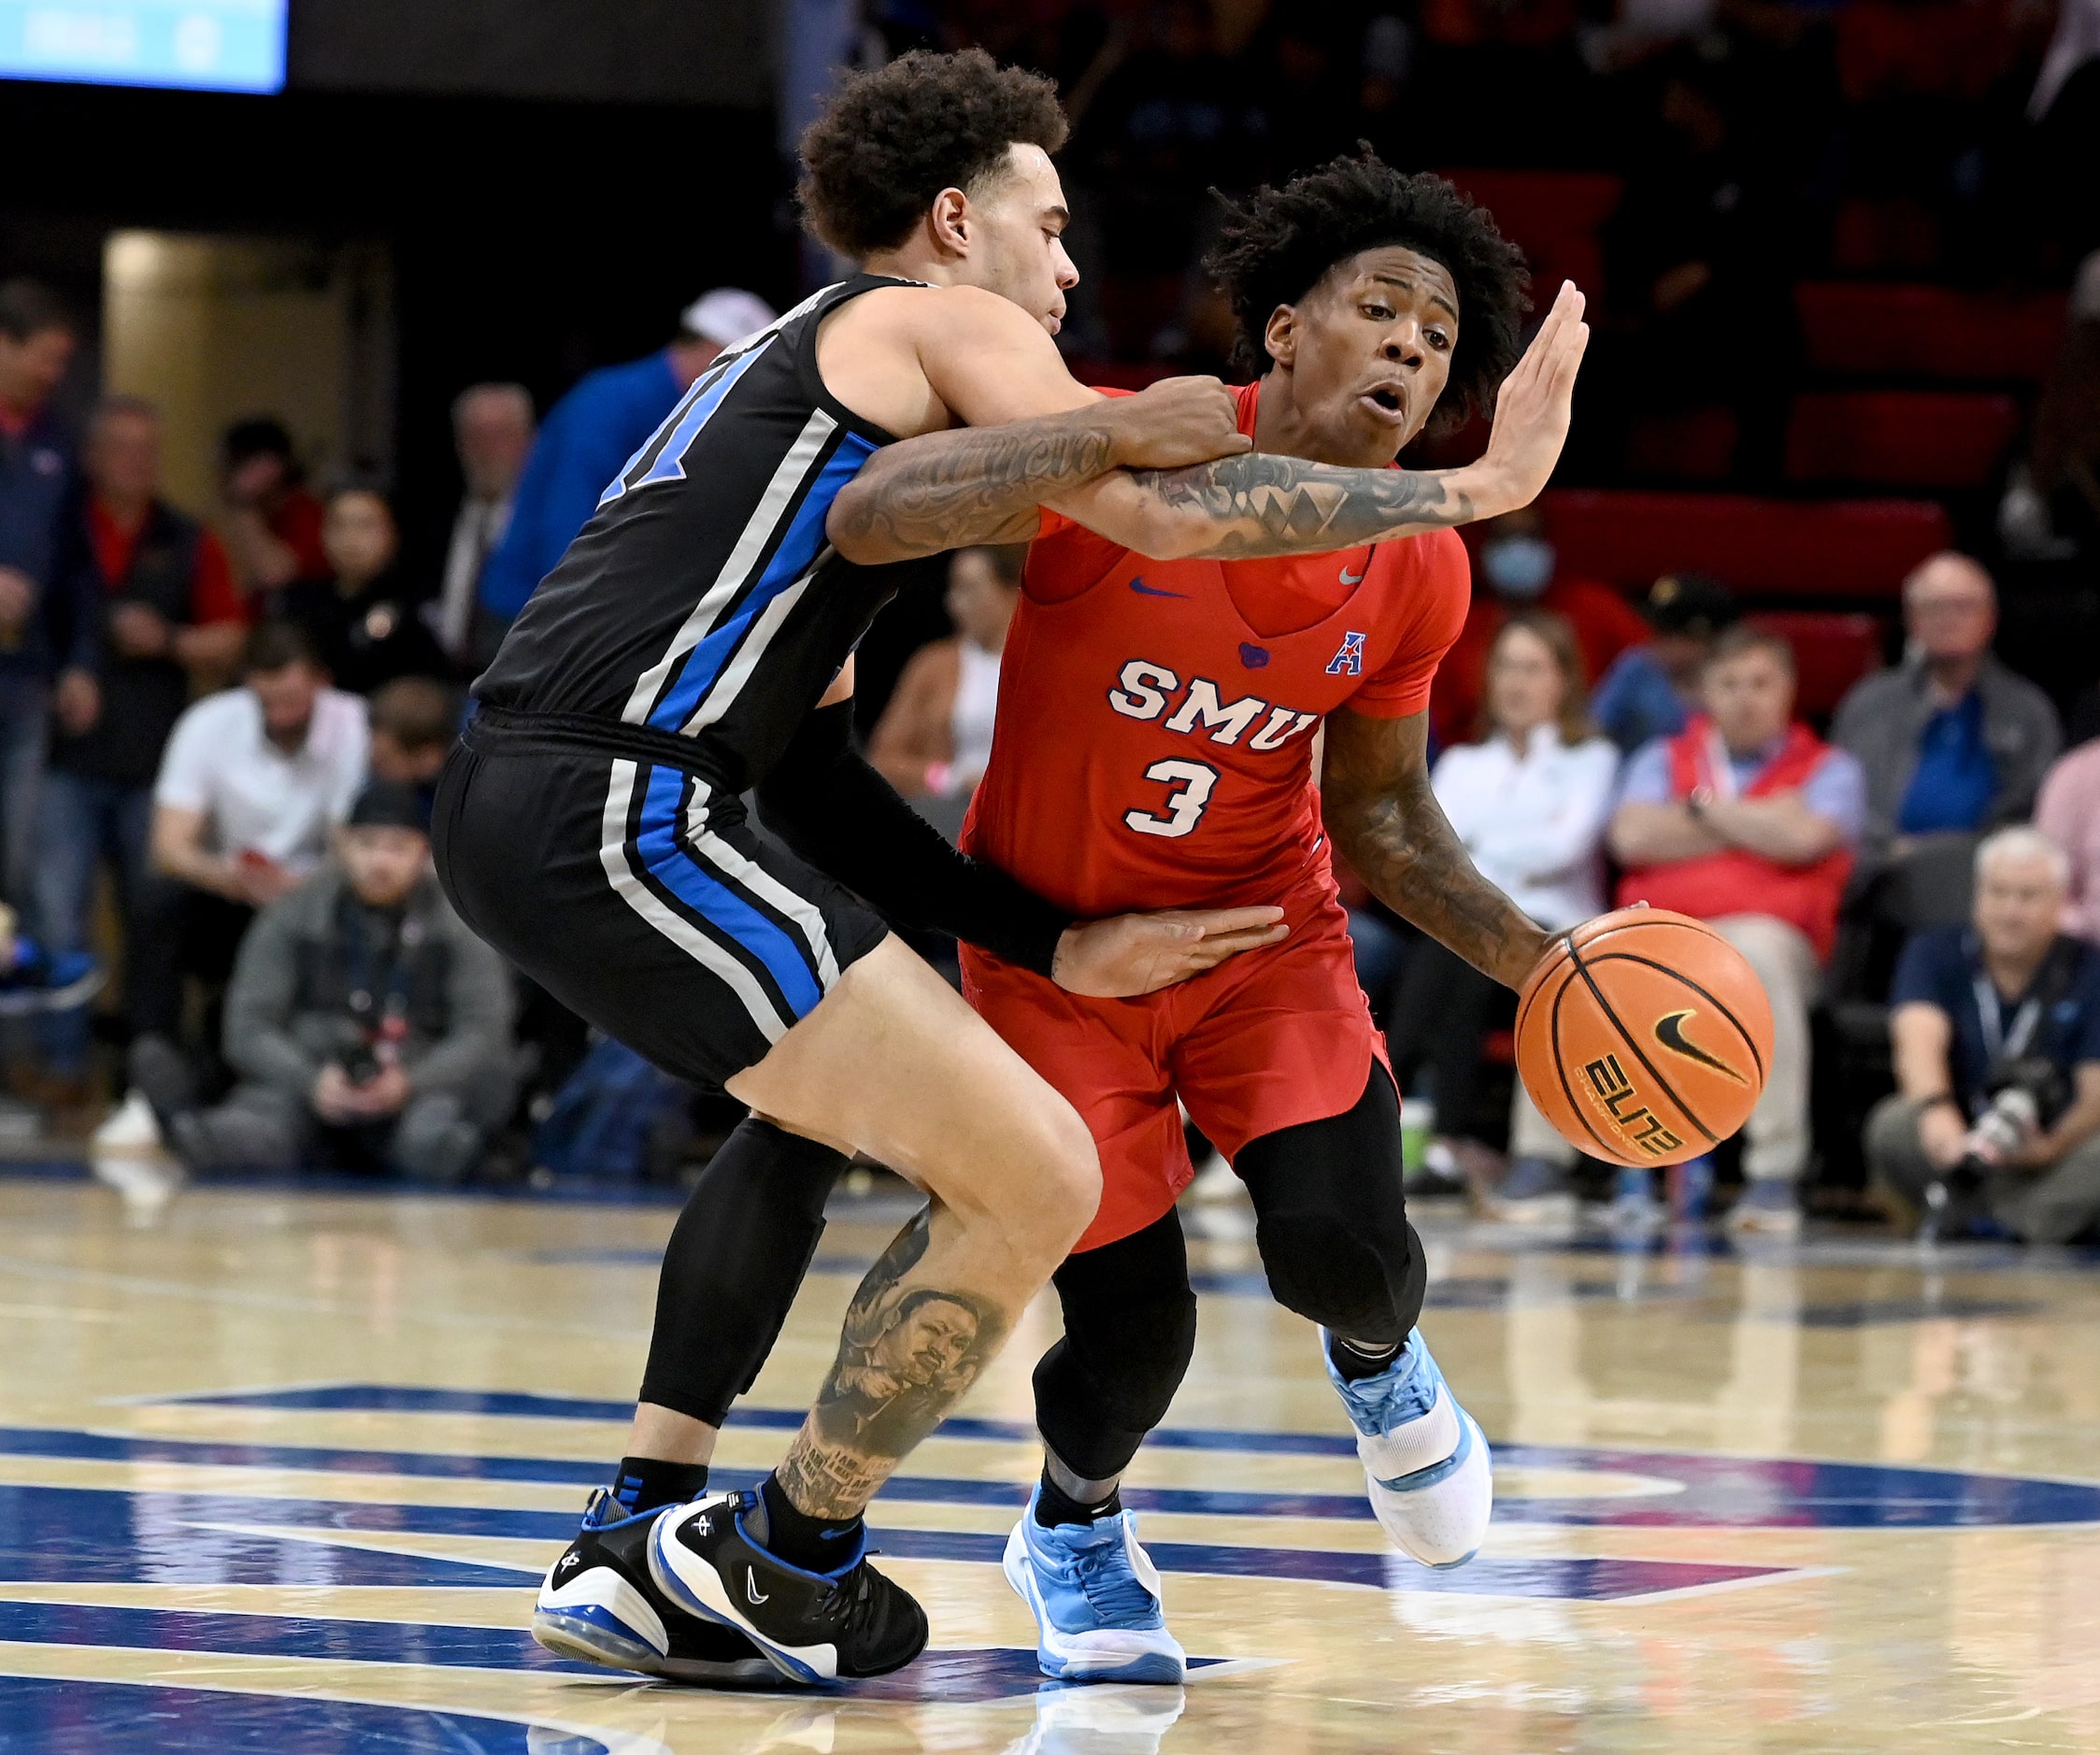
816, 1626
598, 1603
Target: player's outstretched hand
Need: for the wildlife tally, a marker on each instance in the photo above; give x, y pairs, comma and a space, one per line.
1130, 954
1533, 408
1175, 421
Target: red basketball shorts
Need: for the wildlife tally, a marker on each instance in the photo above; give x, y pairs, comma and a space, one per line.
1273, 1038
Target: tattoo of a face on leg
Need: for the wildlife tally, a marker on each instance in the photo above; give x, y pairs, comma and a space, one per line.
909, 1353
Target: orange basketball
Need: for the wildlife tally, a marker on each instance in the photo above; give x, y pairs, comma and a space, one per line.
1644, 1037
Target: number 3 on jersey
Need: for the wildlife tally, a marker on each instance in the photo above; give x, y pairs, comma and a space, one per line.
1193, 782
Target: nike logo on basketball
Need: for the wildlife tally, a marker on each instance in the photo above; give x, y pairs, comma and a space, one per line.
752, 1590
1144, 589
1669, 1031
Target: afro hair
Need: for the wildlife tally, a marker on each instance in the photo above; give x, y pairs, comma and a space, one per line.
1278, 244
895, 137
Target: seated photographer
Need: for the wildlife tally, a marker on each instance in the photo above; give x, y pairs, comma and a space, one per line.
368, 1027
1996, 1029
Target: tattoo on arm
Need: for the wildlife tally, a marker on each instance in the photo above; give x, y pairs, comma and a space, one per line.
908, 1354
1262, 503
970, 485
1385, 820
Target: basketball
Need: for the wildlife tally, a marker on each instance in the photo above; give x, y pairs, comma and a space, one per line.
1644, 1037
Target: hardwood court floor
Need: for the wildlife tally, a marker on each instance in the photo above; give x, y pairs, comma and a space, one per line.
278, 1472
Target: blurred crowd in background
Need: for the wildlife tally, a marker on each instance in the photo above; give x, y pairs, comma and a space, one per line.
1805, 641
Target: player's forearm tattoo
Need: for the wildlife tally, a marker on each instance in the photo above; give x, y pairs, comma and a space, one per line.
1262, 503
908, 1354
971, 485
1376, 798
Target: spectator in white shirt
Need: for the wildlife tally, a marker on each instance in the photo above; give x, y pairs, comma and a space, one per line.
934, 737
493, 429
1530, 800
252, 785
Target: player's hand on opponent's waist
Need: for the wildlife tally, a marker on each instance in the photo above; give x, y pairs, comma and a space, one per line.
1175, 421
1531, 411
1130, 954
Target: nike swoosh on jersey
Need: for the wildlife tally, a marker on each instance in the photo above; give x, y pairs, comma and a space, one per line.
1144, 589
1669, 1031
1353, 579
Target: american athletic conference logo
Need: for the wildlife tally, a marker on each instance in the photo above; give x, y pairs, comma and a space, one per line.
1348, 660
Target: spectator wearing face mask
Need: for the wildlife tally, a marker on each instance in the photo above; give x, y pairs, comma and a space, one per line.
1522, 572
1652, 690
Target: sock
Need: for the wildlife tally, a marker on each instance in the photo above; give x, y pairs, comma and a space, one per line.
814, 1544
1054, 1506
1354, 1359
644, 1482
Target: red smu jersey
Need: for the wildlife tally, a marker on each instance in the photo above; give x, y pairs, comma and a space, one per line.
1153, 745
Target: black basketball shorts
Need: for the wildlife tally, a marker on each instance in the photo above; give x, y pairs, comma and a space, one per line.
638, 897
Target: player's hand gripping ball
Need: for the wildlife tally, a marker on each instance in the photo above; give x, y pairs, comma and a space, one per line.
1644, 1036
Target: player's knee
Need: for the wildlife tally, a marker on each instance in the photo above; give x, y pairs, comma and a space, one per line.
1120, 1374
1329, 1275
1060, 1186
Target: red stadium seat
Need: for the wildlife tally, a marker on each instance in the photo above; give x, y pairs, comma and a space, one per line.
1909, 438
1554, 215
1697, 444
1831, 652
1928, 331
1781, 548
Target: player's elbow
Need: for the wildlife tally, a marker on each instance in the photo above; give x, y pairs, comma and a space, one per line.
855, 529
1163, 533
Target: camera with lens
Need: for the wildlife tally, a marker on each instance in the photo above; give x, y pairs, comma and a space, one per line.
2023, 1096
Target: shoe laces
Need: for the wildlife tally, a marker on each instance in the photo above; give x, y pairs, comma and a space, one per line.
1391, 1399
857, 1603
1101, 1569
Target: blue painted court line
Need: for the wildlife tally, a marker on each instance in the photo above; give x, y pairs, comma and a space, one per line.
281, 1636
83, 1535
1722, 1491
1714, 1492
76, 1717
568, 1471
116, 1717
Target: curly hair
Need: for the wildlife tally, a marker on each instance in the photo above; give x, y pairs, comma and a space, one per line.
895, 137
1278, 244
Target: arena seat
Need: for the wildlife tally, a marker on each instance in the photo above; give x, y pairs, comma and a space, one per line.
1909, 438
1777, 548
1928, 332
1554, 215
1692, 445
1831, 652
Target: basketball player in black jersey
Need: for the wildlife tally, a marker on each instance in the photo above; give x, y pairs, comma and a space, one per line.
695, 642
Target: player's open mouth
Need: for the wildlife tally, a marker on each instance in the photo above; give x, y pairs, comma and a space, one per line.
1391, 405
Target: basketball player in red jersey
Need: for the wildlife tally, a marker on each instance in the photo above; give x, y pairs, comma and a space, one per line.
1155, 748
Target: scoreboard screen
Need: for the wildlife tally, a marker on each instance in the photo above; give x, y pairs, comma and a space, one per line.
200, 45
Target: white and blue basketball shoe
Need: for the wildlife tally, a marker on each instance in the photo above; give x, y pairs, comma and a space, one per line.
598, 1603
1095, 1596
1431, 1480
